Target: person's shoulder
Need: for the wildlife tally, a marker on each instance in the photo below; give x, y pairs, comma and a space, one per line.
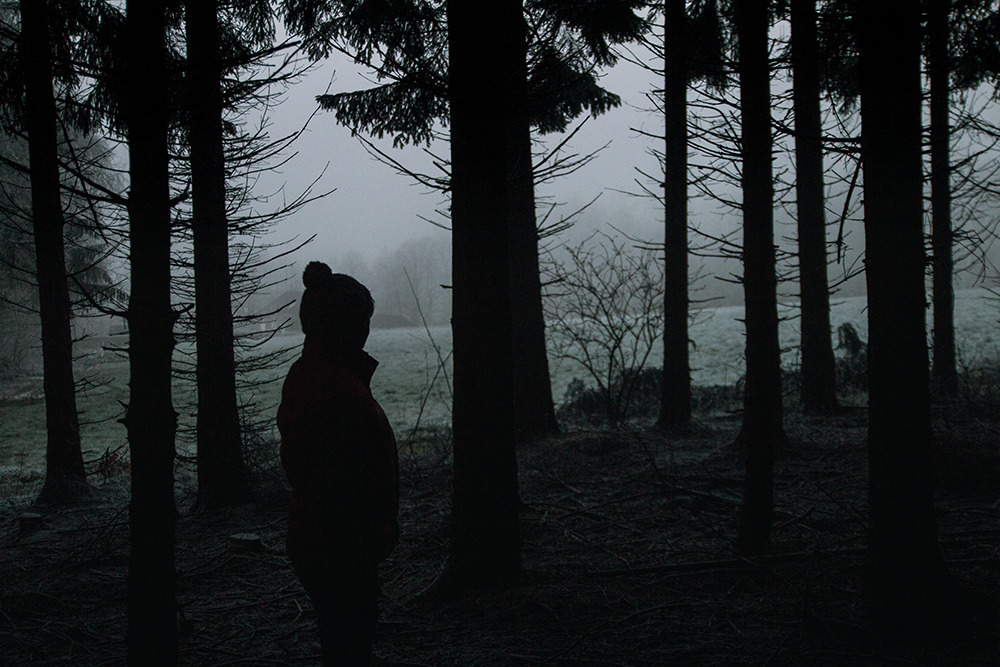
310, 371
319, 372
299, 368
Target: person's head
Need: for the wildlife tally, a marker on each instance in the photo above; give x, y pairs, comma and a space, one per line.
335, 307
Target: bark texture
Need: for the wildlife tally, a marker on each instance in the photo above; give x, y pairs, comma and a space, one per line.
906, 562
150, 417
484, 90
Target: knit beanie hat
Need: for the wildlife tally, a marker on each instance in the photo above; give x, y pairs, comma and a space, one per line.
334, 306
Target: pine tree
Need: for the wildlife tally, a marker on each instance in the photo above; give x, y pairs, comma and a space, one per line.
675, 386
944, 372
222, 474
762, 430
819, 377
150, 418
907, 567
65, 478
691, 51
485, 146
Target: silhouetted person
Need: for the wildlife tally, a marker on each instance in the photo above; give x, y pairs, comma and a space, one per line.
339, 454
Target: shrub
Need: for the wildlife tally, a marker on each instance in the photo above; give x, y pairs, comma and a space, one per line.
588, 404
606, 314
852, 365
639, 390
979, 386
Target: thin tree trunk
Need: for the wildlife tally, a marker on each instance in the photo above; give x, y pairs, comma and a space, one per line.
65, 478
150, 417
222, 474
944, 372
534, 408
762, 428
675, 385
907, 568
819, 376
485, 547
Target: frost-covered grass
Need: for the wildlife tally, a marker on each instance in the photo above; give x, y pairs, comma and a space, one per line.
409, 382
405, 384
22, 414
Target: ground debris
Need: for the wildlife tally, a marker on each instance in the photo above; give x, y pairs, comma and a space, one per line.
627, 547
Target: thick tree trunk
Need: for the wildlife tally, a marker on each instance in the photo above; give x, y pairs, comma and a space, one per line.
150, 417
534, 408
65, 478
483, 68
762, 428
944, 372
907, 569
819, 376
222, 474
675, 385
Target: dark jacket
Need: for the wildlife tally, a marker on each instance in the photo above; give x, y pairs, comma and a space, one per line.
339, 454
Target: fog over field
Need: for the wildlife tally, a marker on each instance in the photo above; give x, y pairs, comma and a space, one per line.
409, 382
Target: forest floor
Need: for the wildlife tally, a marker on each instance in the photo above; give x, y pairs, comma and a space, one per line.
627, 550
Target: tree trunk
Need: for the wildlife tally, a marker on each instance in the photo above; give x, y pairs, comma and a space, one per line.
222, 474
762, 411
65, 478
484, 78
907, 569
819, 376
534, 408
675, 385
944, 373
150, 417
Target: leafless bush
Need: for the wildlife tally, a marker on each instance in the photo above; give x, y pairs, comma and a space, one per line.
606, 314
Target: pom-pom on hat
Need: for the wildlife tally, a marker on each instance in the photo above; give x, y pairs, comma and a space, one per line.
335, 306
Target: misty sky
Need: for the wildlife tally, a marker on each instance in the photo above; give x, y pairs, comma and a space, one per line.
374, 209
